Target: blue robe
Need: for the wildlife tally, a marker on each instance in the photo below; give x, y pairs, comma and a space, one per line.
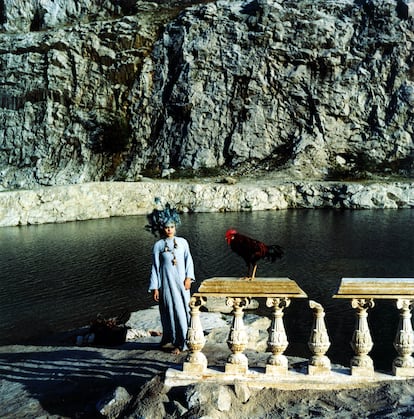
169, 280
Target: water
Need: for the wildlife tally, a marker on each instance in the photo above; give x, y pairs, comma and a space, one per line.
59, 277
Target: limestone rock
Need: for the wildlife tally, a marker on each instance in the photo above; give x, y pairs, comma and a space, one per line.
150, 401
112, 405
108, 199
200, 396
242, 391
97, 90
217, 304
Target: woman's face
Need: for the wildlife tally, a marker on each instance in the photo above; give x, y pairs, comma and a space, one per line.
169, 230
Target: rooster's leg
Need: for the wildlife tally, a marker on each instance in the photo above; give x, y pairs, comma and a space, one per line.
248, 272
254, 271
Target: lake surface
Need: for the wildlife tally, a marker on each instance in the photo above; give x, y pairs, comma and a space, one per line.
56, 277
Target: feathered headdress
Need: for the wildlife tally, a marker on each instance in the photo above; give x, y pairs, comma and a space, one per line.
160, 217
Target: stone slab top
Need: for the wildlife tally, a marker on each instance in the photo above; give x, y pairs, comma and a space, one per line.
384, 288
257, 287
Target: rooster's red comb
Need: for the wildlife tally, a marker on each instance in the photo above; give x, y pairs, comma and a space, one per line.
230, 232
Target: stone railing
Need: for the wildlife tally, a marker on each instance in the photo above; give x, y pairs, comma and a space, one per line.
279, 293
362, 292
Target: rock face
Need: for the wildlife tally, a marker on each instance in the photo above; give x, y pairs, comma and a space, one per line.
109, 90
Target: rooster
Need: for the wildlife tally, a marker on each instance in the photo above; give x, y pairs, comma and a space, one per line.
252, 250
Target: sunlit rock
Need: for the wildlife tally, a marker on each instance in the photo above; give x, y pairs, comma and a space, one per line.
109, 91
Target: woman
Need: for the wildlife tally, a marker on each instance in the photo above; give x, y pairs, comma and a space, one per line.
171, 276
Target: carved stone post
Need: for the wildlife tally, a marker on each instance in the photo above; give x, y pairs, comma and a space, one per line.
361, 363
196, 361
237, 362
403, 365
277, 363
318, 342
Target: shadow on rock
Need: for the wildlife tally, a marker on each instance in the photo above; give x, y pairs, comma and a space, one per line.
69, 382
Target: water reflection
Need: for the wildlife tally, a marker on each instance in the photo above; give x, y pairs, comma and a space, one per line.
55, 277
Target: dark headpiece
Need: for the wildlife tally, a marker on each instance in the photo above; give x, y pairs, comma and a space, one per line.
160, 218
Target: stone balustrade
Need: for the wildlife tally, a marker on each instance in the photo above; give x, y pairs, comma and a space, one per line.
362, 292
279, 293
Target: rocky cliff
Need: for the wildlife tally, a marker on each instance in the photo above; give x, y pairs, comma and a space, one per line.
94, 90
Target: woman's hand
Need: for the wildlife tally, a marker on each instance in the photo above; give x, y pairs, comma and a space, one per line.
187, 283
156, 295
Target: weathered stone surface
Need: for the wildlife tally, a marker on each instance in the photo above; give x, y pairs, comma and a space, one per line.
98, 90
114, 403
257, 287
27, 16
67, 71
216, 397
242, 391
376, 288
106, 199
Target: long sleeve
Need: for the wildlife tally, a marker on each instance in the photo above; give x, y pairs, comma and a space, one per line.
189, 263
155, 278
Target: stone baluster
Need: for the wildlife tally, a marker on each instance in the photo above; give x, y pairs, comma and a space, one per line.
277, 363
237, 362
361, 363
318, 342
403, 365
196, 361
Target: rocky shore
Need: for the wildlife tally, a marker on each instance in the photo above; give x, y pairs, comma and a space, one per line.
54, 204
55, 378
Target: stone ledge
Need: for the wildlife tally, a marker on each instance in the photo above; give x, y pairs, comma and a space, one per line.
376, 288
339, 378
94, 200
256, 288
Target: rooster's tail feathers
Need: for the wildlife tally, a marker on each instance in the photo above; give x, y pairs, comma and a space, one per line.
275, 252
